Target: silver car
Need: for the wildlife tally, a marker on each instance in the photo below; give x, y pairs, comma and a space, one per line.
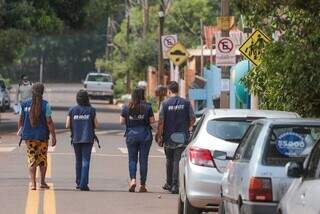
218, 129
4, 97
304, 192
255, 178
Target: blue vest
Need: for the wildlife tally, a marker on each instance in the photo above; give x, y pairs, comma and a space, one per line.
176, 117
82, 124
41, 132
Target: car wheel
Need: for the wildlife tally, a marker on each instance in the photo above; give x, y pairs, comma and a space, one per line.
189, 209
180, 205
221, 208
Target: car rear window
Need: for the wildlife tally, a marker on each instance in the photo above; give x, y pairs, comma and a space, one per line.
290, 143
228, 129
99, 78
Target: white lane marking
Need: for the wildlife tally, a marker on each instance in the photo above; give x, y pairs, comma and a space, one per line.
109, 155
123, 150
160, 150
94, 150
110, 132
7, 149
51, 149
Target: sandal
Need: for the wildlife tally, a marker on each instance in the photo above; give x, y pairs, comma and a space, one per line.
132, 186
143, 188
33, 187
44, 186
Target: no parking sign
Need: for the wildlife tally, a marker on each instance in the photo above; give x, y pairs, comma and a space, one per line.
168, 41
225, 51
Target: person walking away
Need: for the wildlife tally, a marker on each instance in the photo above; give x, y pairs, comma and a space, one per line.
176, 119
138, 117
24, 92
35, 125
82, 121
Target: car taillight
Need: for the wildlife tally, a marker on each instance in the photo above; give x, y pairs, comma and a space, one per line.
201, 157
85, 85
260, 189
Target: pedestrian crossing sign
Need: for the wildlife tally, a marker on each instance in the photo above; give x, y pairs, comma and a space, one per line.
178, 54
254, 46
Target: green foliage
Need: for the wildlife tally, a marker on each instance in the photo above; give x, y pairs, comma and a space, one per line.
154, 103
288, 78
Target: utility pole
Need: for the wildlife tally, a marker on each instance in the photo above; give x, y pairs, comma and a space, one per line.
41, 69
224, 99
160, 57
201, 35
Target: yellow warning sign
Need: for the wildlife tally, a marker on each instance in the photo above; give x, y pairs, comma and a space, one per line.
254, 46
178, 54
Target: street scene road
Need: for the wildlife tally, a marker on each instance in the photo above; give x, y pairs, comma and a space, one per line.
108, 173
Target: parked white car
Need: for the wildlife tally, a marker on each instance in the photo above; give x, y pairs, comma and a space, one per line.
304, 192
99, 86
218, 129
4, 97
255, 179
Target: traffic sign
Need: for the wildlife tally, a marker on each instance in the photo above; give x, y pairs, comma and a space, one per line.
178, 54
168, 41
254, 46
225, 22
225, 51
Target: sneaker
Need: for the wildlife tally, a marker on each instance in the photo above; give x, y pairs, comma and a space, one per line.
84, 188
174, 190
167, 187
143, 188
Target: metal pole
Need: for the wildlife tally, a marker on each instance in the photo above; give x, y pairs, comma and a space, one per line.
41, 69
160, 57
224, 100
201, 35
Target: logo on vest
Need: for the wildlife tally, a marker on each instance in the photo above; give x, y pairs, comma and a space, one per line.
81, 117
176, 108
139, 117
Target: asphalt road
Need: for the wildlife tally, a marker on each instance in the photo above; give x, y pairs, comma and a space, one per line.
108, 173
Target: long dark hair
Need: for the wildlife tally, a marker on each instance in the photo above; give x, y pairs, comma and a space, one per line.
83, 98
36, 106
137, 105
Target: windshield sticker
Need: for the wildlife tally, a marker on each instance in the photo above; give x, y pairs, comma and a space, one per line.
291, 144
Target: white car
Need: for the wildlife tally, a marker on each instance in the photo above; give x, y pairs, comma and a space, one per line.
255, 178
304, 192
99, 86
218, 129
4, 97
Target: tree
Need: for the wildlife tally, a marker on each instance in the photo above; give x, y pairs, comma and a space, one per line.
288, 78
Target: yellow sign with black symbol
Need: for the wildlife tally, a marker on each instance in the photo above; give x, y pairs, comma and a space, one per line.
178, 54
254, 46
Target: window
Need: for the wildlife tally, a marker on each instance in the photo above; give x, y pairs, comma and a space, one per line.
197, 127
245, 149
290, 143
99, 78
228, 129
313, 170
2, 85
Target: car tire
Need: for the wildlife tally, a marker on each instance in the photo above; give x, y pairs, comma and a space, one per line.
180, 205
221, 208
189, 209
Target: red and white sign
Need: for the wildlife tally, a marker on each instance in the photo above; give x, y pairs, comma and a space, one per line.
225, 51
168, 41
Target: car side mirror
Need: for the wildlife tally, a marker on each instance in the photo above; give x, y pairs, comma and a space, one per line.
220, 160
294, 170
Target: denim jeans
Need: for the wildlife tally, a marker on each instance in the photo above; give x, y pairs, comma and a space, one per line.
83, 156
173, 157
138, 150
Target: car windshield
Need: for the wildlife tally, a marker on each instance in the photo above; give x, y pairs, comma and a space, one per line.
228, 129
290, 143
2, 85
99, 78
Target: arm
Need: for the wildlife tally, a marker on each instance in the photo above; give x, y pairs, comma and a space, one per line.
160, 128
52, 131
20, 125
68, 122
122, 120
96, 123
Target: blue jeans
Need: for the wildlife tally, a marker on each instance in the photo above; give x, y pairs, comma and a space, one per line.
141, 150
83, 155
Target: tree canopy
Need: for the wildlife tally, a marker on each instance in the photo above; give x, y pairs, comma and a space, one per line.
288, 78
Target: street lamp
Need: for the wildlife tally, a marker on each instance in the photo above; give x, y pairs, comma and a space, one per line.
160, 57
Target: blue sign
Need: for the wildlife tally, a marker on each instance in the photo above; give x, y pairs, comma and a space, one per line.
291, 144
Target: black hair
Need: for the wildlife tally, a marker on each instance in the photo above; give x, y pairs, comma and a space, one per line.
23, 76
173, 87
137, 105
83, 98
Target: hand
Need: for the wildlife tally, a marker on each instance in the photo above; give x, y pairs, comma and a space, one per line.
160, 143
53, 141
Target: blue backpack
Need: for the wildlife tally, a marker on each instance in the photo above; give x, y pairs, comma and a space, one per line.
138, 133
